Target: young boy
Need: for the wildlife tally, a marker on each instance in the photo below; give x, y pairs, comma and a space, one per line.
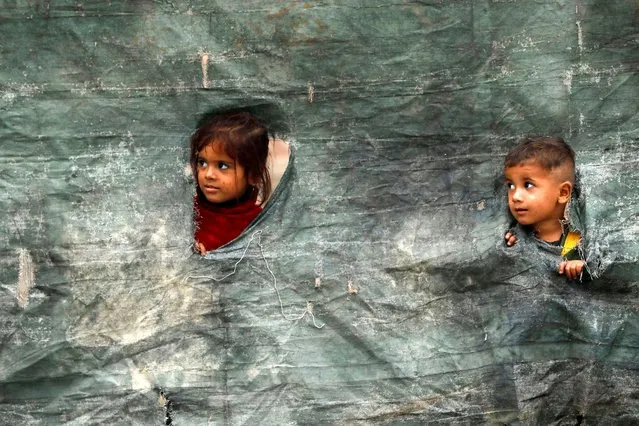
540, 176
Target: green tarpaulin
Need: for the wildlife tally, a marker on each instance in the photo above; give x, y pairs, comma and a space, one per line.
375, 288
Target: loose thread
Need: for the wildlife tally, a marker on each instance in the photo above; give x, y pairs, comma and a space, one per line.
309, 305
258, 234
234, 267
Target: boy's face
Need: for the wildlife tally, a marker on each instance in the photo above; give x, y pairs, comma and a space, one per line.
536, 196
219, 177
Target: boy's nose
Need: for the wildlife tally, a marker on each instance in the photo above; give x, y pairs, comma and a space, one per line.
517, 195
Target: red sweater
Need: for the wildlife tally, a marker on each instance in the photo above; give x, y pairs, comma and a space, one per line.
217, 224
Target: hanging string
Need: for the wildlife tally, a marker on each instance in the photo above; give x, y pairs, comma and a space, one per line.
258, 234
309, 305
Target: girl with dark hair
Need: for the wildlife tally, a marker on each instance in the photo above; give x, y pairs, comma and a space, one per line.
229, 160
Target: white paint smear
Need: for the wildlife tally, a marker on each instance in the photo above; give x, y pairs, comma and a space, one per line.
26, 278
204, 61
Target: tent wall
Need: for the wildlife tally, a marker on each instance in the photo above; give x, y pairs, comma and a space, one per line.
375, 289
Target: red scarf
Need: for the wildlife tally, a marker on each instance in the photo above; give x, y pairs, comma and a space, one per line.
217, 224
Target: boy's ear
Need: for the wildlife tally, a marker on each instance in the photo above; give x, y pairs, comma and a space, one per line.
565, 190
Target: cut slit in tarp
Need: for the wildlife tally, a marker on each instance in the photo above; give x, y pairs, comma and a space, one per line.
592, 247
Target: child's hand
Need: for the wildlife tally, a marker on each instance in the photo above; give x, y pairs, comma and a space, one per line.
199, 247
571, 268
510, 238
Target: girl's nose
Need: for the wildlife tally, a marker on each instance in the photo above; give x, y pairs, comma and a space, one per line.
210, 173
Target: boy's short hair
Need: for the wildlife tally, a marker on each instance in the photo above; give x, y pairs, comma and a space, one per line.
551, 153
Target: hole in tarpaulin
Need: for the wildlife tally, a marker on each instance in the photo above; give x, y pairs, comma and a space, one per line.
240, 163
167, 404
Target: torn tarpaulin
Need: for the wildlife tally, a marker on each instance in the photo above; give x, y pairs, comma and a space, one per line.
390, 206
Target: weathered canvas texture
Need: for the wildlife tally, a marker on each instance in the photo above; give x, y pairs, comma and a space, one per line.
375, 288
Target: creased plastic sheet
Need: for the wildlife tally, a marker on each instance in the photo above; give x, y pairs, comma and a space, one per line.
376, 288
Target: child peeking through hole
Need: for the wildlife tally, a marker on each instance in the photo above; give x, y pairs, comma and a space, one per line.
229, 160
540, 177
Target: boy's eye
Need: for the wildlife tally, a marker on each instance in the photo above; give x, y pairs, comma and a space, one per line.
528, 185
510, 185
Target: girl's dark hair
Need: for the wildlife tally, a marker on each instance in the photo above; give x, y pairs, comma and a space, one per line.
549, 152
243, 138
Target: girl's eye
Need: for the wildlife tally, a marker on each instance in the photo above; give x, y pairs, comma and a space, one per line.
222, 165
201, 163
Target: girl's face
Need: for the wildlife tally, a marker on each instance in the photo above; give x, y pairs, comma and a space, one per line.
219, 177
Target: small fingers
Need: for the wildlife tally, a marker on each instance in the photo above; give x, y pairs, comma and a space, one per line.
199, 247
562, 267
510, 238
507, 236
570, 271
572, 268
578, 266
